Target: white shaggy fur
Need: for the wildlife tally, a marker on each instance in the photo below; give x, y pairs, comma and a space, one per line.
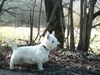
37, 54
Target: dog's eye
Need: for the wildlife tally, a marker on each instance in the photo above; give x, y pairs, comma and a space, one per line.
53, 41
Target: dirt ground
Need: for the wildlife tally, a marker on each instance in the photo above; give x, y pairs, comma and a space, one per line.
61, 62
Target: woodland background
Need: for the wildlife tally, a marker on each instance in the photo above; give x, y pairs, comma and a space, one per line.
77, 27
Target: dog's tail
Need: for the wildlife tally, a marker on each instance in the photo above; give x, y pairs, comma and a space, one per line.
10, 44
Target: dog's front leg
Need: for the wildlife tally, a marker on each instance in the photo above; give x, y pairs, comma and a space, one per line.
40, 65
11, 65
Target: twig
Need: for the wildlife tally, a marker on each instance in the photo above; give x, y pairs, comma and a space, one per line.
39, 21
90, 43
93, 39
31, 22
27, 41
96, 14
67, 8
97, 7
1, 5
96, 25
50, 20
92, 50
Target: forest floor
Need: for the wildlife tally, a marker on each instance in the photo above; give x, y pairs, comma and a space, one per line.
61, 62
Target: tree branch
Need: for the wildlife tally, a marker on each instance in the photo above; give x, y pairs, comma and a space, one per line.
1, 6
7, 10
96, 25
96, 14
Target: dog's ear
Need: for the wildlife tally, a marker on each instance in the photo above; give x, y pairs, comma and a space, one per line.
47, 35
53, 33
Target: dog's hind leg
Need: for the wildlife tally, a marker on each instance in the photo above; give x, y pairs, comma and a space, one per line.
12, 62
11, 65
40, 65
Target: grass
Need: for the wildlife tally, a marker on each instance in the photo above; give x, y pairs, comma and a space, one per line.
16, 33
12, 32
24, 33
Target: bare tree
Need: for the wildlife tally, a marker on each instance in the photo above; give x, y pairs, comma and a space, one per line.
89, 23
86, 24
72, 46
83, 19
55, 18
32, 22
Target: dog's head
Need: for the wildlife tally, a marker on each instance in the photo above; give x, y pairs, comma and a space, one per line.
51, 41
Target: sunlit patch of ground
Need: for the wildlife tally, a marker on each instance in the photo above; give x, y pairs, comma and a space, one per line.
16, 33
95, 41
24, 33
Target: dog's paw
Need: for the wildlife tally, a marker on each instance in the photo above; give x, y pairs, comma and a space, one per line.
41, 69
11, 67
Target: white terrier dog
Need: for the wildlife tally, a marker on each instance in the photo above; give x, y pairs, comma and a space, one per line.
37, 54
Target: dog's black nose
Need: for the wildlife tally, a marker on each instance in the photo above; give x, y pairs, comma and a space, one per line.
58, 45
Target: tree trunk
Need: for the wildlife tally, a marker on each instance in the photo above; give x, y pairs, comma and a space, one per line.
55, 18
86, 25
72, 46
83, 20
89, 23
